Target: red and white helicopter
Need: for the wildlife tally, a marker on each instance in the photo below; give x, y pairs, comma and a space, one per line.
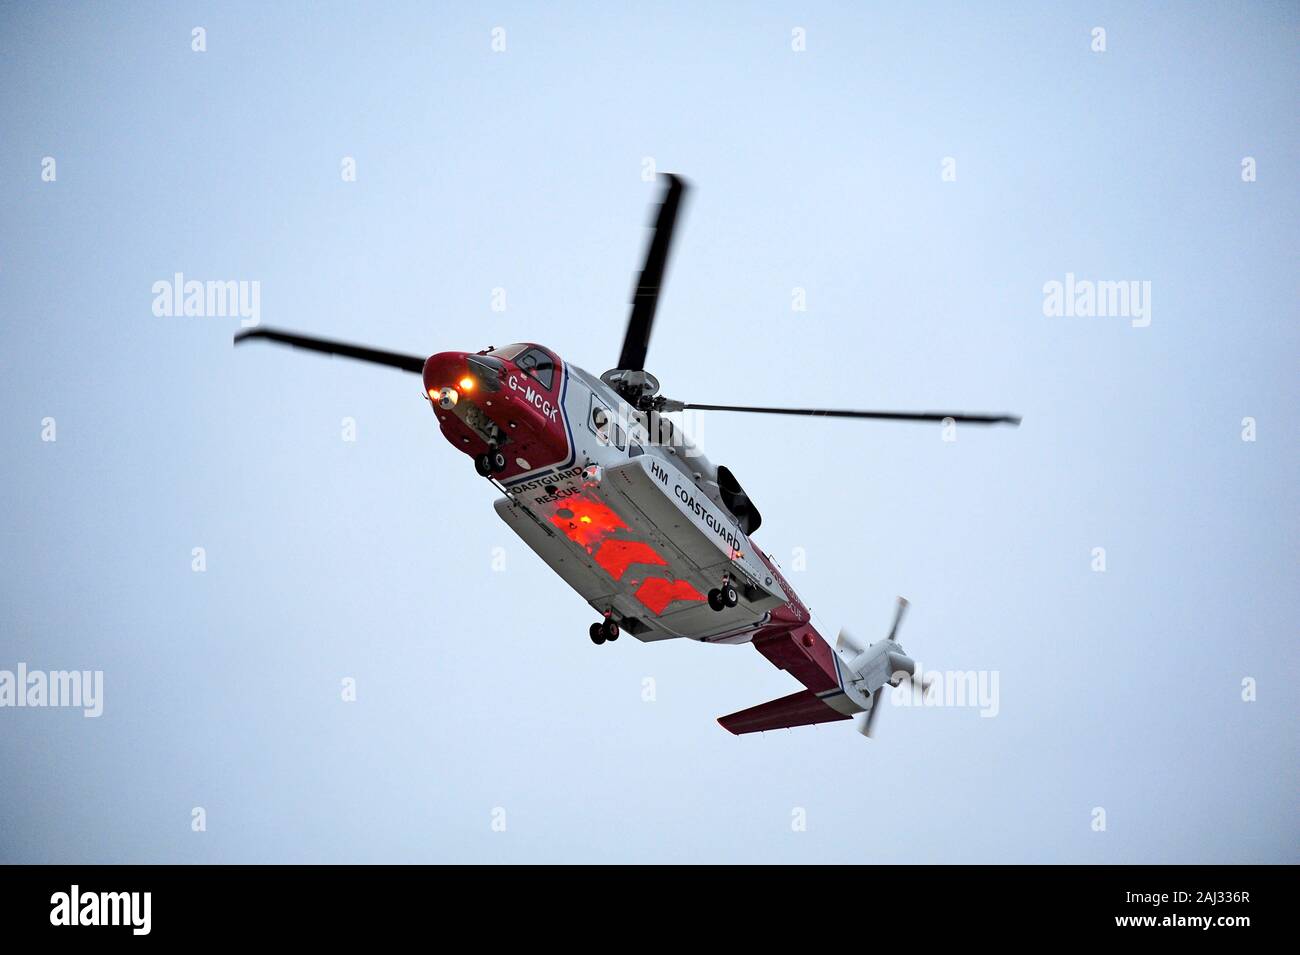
630, 513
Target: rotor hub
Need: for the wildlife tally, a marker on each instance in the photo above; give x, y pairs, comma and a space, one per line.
636, 385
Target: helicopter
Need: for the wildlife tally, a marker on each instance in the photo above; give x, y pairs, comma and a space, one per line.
618, 500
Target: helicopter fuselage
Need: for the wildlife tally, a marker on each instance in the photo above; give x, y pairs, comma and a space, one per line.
620, 503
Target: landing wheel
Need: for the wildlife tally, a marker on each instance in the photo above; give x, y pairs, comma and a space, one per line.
597, 633
716, 600
729, 596
483, 464
498, 461
611, 630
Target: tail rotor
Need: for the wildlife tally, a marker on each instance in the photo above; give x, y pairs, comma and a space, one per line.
872, 668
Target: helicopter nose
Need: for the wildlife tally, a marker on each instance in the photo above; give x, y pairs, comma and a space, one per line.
443, 369
446, 378
462, 373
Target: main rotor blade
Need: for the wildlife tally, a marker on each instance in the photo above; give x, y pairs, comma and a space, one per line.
636, 340
960, 416
330, 347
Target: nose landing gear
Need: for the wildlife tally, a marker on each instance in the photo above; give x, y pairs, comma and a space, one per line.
493, 462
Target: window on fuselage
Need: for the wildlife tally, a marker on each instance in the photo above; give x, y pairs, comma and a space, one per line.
604, 425
537, 364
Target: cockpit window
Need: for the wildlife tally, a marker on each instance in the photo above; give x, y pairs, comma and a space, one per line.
508, 352
539, 365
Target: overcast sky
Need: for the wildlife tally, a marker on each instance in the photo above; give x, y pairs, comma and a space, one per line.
479, 697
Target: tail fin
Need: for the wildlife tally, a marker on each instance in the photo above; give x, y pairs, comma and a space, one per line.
798, 709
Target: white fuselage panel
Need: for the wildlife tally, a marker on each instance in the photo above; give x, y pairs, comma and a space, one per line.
644, 538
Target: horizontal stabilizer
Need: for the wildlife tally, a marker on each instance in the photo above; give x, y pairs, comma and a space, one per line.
797, 709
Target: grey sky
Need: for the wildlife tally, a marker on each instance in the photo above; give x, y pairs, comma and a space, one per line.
820, 170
